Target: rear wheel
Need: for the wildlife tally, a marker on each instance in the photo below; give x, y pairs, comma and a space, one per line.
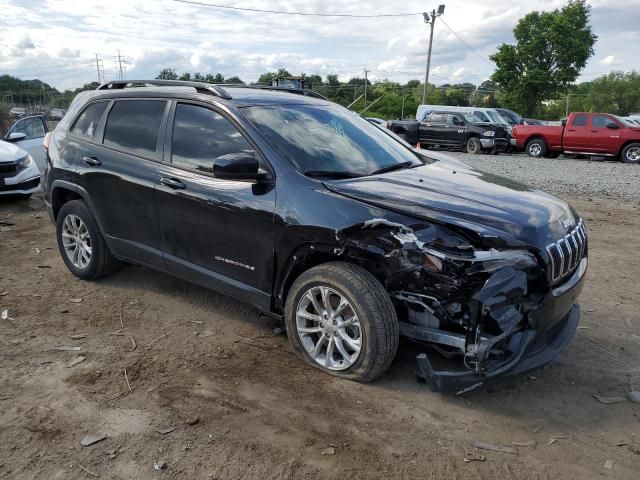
341, 320
81, 244
631, 153
536, 148
474, 146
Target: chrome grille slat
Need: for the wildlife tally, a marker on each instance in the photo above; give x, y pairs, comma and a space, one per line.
566, 253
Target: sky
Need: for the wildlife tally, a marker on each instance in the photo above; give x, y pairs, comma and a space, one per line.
57, 40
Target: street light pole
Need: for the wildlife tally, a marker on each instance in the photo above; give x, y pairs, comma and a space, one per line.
431, 20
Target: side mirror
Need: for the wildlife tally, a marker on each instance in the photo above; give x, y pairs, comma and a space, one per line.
613, 126
16, 136
237, 166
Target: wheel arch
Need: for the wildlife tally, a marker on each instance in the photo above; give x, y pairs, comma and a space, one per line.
311, 256
63, 192
625, 145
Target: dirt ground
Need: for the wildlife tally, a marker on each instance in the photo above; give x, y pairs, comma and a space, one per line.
215, 393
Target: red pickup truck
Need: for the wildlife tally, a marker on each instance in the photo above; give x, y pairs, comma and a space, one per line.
597, 134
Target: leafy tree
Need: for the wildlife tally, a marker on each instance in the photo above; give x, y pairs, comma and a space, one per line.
185, 76
550, 51
167, 74
332, 80
617, 92
234, 79
266, 78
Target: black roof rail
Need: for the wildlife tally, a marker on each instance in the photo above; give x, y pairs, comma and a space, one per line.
200, 87
203, 87
298, 91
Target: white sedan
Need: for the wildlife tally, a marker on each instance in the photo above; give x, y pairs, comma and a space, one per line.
19, 174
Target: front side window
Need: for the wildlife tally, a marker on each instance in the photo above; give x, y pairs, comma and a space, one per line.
201, 135
87, 123
601, 121
31, 127
579, 121
330, 139
133, 125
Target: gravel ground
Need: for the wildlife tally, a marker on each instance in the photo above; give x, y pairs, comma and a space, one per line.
564, 176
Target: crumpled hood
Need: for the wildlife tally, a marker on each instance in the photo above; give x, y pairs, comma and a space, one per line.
456, 194
10, 153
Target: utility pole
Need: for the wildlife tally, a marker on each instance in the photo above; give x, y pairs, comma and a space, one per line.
431, 20
119, 66
566, 110
365, 86
99, 66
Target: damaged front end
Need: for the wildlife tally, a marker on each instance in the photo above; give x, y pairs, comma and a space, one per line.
494, 309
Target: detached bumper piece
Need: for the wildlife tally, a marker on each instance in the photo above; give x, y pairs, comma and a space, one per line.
530, 349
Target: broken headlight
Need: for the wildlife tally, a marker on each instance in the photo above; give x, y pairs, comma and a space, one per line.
482, 260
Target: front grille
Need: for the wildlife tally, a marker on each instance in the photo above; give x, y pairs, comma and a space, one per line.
8, 169
566, 253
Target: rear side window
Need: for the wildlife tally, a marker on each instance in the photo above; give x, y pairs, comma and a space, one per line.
88, 120
201, 135
579, 121
134, 125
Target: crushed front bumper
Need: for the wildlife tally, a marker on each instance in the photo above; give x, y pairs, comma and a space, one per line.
552, 328
499, 144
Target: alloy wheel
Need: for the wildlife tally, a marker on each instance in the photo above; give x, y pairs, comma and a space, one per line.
329, 328
633, 154
76, 241
535, 149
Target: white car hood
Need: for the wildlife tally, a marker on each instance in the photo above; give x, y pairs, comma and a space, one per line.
10, 152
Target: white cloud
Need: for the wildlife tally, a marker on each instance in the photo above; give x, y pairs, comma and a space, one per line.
608, 60
58, 39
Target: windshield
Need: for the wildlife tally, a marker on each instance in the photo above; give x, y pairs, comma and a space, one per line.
470, 118
329, 139
495, 118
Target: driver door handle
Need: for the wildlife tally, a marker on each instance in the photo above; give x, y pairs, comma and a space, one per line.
172, 183
91, 161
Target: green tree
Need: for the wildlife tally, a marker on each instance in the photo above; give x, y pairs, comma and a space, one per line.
167, 74
550, 51
617, 92
185, 76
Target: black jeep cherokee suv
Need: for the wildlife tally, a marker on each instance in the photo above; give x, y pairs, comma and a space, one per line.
309, 212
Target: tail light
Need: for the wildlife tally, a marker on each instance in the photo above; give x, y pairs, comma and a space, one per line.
45, 142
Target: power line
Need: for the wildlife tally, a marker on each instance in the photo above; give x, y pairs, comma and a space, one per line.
305, 14
462, 40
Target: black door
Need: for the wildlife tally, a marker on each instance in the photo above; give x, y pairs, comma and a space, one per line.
455, 133
119, 171
434, 130
216, 232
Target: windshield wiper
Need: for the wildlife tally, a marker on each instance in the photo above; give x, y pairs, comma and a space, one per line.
391, 168
330, 174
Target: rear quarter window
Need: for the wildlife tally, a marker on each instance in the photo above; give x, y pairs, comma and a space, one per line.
133, 125
88, 121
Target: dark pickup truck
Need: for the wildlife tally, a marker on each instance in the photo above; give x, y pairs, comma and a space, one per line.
452, 130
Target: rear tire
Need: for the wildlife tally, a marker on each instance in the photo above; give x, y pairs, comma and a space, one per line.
312, 326
631, 153
81, 244
536, 148
474, 147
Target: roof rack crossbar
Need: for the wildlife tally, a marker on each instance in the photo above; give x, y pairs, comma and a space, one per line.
200, 87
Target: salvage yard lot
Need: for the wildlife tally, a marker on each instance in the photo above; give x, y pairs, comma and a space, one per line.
212, 391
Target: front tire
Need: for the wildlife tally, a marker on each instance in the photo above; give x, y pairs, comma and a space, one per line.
341, 320
536, 148
474, 147
81, 244
631, 153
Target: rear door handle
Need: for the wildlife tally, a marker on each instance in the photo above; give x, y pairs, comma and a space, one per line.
172, 183
91, 161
